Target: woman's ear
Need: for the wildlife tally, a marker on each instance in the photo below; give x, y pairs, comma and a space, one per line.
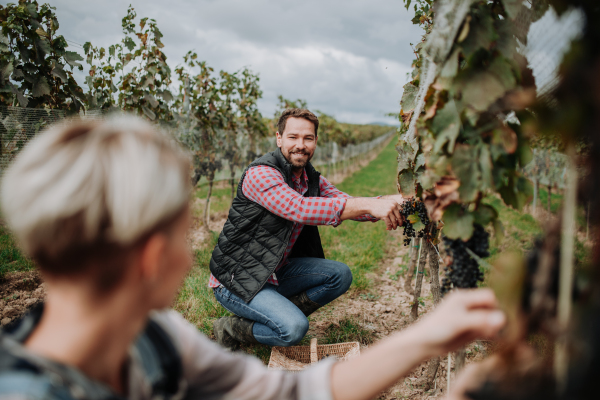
151, 257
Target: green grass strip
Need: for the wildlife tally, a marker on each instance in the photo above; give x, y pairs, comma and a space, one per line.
361, 245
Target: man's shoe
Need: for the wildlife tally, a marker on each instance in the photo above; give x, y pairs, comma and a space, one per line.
306, 305
230, 332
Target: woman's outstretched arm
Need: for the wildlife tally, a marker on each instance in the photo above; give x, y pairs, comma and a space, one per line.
462, 317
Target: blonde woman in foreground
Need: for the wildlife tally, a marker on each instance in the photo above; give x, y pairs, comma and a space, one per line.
103, 210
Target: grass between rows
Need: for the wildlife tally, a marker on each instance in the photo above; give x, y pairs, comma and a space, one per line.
521, 229
11, 258
361, 245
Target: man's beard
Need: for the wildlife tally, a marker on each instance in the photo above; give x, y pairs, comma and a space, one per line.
298, 164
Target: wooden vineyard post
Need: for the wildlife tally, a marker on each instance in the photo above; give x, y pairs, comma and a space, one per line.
536, 186
587, 221
427, 381
434, 269
565, 288
421, 261
411, 266
232, 173
459, 364
207, 205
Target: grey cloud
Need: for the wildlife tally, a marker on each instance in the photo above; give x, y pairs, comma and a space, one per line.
332, 53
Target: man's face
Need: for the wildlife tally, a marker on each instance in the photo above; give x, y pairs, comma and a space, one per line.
297, 142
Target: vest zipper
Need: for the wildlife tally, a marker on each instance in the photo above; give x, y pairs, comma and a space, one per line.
287, 241
280, 258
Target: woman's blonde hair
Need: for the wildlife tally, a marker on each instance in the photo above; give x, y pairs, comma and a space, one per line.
82, 195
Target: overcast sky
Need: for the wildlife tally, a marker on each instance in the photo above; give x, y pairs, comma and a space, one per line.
346, 58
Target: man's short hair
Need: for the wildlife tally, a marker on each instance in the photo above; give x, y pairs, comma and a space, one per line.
82, 196
297, 113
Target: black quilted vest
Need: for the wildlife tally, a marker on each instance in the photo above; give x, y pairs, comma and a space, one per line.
254, 239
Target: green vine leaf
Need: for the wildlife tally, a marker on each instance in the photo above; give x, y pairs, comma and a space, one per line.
6, 71
446, 127
458, 223
420, 162
414, 218
466, 170
129, 43
481, 90
409, 97
485, 214
4, 43
72, 57
486, 166
481, 33
59, 72
503, 71
406, 156
449, 71
517, 192
406, 183
418, 226
23, 101
42, 47
40, 87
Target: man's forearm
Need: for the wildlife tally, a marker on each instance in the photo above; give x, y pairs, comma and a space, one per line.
386, 209
355, 207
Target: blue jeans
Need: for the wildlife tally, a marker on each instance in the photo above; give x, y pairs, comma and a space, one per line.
278, 322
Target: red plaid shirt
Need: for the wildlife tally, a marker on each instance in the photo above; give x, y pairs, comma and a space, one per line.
266, 186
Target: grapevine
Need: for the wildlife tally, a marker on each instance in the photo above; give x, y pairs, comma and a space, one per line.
464, 270
416, 221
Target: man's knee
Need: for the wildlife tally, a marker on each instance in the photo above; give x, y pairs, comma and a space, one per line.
293, 331
343, 276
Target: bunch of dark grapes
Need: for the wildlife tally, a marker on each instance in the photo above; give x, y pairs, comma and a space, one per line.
464, 270
409, 208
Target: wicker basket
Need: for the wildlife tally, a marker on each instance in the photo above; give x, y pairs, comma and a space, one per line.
296, 358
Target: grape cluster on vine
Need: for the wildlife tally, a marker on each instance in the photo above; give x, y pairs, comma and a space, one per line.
412, 207
464, 270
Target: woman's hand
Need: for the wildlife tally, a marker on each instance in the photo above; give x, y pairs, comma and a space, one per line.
460, 318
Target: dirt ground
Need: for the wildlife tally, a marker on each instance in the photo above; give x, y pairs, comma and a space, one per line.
19, 291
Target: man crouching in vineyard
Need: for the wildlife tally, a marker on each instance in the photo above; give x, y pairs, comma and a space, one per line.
268, 266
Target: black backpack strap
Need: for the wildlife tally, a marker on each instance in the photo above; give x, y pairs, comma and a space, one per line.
160, 358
